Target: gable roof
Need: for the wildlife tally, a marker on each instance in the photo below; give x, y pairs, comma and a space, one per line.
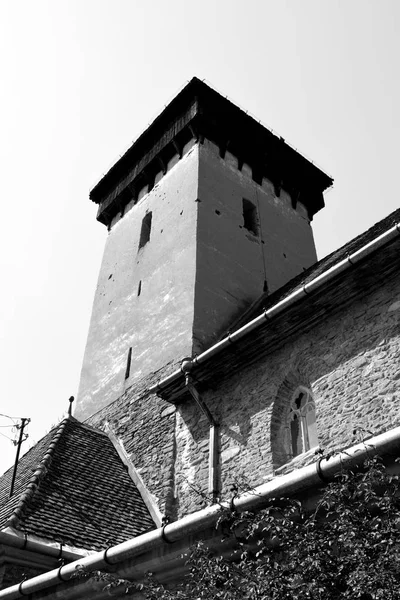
72, 487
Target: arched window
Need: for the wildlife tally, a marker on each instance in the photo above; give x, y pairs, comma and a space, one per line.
302, 423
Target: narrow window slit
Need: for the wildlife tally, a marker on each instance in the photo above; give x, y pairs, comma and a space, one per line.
128, 364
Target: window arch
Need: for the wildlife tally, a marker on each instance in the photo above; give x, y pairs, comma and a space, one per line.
302, 422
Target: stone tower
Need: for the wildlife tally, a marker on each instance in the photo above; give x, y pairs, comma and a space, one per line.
206, 211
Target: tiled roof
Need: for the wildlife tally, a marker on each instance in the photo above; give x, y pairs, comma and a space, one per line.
266, 301
72, 487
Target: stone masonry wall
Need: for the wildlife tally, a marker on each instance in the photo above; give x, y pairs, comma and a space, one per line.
145, 426
350, 362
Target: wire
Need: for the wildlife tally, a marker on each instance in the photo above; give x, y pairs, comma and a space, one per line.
12, 418
6, 436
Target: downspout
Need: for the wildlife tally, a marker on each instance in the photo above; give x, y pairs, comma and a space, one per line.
307, 289
186, 367
301, 480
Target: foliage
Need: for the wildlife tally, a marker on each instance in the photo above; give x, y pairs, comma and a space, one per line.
348, 547
110, 581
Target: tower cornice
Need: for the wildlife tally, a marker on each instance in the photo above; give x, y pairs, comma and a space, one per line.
200, 112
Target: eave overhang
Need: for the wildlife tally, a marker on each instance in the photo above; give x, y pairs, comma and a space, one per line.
200, 112
162, 551
330, 292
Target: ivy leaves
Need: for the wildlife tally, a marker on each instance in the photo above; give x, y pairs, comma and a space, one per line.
347, 547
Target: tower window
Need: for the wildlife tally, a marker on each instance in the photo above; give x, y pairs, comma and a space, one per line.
128, 364
250, 217
145, 231
302, 422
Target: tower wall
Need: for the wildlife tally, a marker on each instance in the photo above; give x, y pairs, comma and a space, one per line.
157, 324
235, 265
181, 264
199, 230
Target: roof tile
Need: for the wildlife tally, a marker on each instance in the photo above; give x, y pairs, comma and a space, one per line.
72, 487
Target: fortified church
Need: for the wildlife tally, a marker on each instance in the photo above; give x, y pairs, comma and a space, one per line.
220, 350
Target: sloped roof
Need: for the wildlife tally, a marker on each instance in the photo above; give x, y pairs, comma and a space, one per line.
230, 353
72, 487
267, 300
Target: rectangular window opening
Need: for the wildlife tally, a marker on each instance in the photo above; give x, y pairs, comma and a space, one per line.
250, 217
145, 230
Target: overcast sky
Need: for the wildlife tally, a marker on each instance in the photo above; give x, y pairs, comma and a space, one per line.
80, 79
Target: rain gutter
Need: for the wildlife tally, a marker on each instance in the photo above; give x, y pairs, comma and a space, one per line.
305, 290
298, 481
23, 541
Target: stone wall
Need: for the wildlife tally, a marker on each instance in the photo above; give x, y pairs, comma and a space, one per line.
350, 362
145, 426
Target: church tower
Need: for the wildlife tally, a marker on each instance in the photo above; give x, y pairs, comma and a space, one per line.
205, 212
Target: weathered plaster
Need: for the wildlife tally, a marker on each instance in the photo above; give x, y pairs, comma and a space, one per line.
157, 325
232, 263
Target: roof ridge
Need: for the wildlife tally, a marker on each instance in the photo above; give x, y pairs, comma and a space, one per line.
91, 428
37, 476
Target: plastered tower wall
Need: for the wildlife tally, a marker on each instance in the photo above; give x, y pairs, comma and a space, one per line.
234, 265
157, 324
200, 269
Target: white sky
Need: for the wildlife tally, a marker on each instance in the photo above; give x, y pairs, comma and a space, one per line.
80, 79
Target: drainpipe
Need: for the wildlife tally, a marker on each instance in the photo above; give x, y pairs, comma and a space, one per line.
301, 480
186, 367
305, 290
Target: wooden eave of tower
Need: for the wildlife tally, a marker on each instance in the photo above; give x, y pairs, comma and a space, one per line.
200, 112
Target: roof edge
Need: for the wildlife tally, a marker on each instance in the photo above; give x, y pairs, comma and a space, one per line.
37, 476
298, 294
203, 112
33, 543
134, 474
306, 478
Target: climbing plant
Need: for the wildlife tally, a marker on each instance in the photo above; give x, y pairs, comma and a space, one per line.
346, 547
